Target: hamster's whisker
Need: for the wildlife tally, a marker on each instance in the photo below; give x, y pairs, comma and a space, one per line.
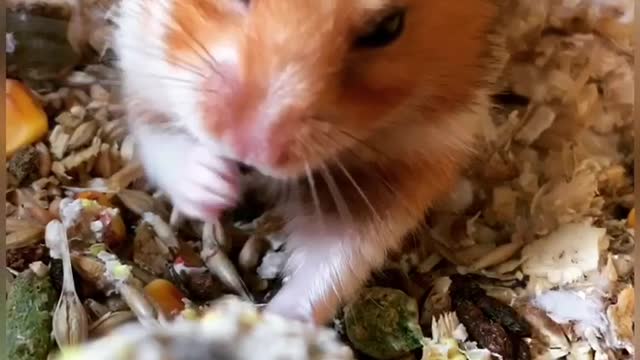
314, 192
325, 173
373, 170
316, 119
363, 143
338, 199
348, 175
287, 189
358, 188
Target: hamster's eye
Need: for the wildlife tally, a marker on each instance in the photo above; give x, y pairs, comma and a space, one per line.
384, 32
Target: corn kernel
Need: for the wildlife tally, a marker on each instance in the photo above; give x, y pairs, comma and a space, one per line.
631, 219
250, 318
211, 316
166, 296
26, 120
88, 203
100, 198
121, 272
96, 249
189, 314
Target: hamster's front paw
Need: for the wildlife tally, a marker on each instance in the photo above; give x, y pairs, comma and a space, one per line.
208, 185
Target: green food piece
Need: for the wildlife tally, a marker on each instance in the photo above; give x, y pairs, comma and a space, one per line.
383, 323
29, 315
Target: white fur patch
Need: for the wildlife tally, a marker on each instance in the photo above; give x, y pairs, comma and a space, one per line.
174, 90
141, 50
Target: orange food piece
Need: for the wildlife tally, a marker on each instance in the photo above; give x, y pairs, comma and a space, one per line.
166, 296
116, 232
631, 219
26, 120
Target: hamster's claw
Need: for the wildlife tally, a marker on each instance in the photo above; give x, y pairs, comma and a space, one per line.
209, 185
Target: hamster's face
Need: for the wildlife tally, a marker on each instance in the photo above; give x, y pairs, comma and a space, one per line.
286, 85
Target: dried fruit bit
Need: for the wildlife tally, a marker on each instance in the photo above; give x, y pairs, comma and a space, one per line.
26, 120
383, 323
488, 334
166, 296
24, 165
29, 306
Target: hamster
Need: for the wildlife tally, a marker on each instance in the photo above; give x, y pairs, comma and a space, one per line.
358, 115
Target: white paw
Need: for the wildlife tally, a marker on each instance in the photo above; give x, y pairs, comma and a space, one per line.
290, 309
208, 185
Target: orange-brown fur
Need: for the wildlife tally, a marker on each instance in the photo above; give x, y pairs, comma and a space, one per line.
441, 55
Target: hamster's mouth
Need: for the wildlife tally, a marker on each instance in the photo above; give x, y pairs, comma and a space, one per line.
246, 169
291, 170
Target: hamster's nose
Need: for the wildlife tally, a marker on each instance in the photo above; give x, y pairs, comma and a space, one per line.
259, 146
256, 127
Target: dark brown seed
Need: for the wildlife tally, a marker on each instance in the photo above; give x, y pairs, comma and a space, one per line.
202, 286
199, 286
393, 278
521, 350
55, 273
505, 315
464, 288
19, 259
172, 275
487, 333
